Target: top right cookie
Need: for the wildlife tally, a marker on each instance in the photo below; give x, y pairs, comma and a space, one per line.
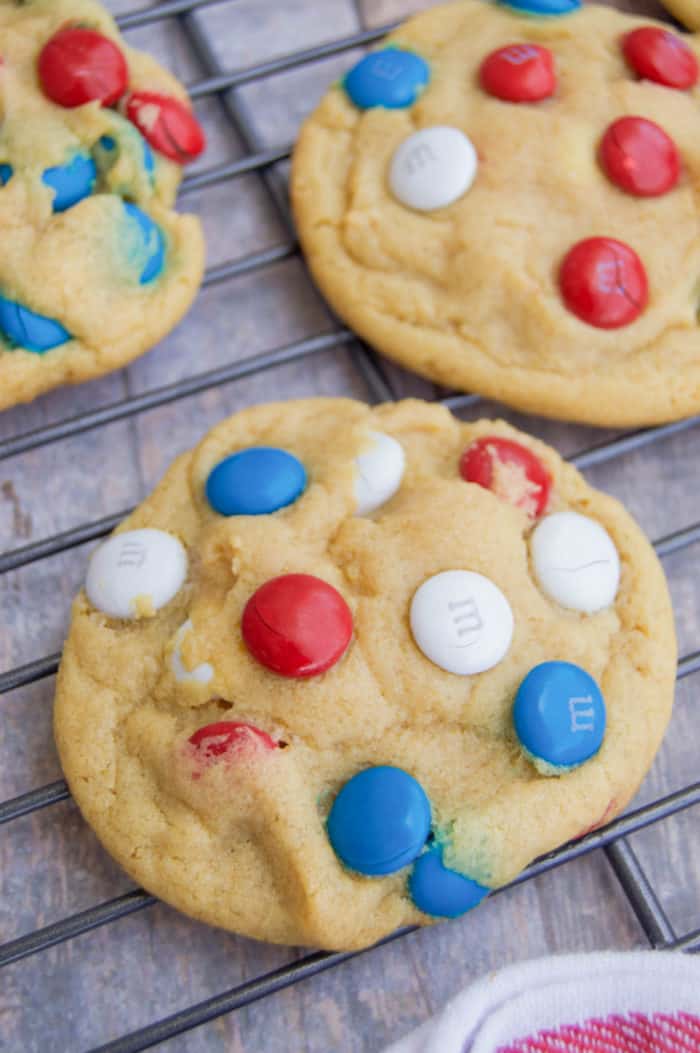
505, 199
686, 11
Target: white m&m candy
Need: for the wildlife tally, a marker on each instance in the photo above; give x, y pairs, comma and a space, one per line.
461, 621
432, 168
201, 674
379, 472
575, 561
135, 572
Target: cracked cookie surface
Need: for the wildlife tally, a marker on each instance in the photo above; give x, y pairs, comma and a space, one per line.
460, 275
208, 763
96, 264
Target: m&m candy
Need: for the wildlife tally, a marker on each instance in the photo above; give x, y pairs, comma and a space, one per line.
510, 470
379, 821
167, 124
135, 573
659, 55
201, 674
71, 182
544, 7
255, 481
461, 621
380, 470
297, 625
6, 173
519, 73
78, 65
27, 329
603, 282
575, 562
391, 78
639, 157
559, 716
437, 890
229, 736
432, 168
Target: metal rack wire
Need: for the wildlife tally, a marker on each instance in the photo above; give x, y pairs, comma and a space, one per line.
612, 839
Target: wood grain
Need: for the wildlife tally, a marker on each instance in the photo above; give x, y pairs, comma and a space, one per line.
128, 974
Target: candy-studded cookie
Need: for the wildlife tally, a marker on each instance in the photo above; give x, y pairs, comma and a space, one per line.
352, 668
96, 266
505, 199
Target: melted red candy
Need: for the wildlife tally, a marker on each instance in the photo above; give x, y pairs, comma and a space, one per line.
79, 65
603, 282
297, 625
659, 55
213, 740
509, 470
519, 73
167, 124
639, 157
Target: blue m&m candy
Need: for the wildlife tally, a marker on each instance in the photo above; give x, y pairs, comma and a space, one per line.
255, 482
544, 7
30, 330
559, 716
437, 890
6, 172
71, 182
148, 249
390, 78
379, 821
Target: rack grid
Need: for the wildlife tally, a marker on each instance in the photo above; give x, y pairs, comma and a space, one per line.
611, 839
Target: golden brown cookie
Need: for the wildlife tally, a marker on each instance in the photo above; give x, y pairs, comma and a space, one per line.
350, 668
508, 204
686, 11
96, 265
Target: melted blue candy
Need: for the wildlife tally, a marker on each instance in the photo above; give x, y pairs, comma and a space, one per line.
30, 330
153, 243
71, 182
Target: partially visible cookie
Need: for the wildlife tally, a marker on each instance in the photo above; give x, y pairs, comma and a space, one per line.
96, 265
504, 198
686, 11
350, 668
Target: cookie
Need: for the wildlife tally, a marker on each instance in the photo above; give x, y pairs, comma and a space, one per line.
96, 265
349, 668
686, 11
504, 199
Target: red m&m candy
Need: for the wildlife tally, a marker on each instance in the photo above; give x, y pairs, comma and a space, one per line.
213, 740
509, 470
604, 283
658, 55
519, 73
80, 65
167, 124
297, 625
639, 157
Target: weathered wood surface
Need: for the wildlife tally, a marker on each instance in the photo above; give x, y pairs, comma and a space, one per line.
130, 973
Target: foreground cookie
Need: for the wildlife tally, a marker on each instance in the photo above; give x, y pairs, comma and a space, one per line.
506, 203
352, 668
95, 266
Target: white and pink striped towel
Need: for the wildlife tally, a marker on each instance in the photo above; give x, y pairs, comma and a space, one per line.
633, 1002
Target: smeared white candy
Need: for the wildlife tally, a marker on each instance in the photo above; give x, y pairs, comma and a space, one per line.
432, 168
137, 567
379, 473
201, 674
461, 621
575, 561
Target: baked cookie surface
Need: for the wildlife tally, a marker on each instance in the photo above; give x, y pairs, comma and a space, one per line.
96, 265
350, 668
508, 204
686, 11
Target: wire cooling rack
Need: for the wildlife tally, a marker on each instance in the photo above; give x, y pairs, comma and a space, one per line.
639, 889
